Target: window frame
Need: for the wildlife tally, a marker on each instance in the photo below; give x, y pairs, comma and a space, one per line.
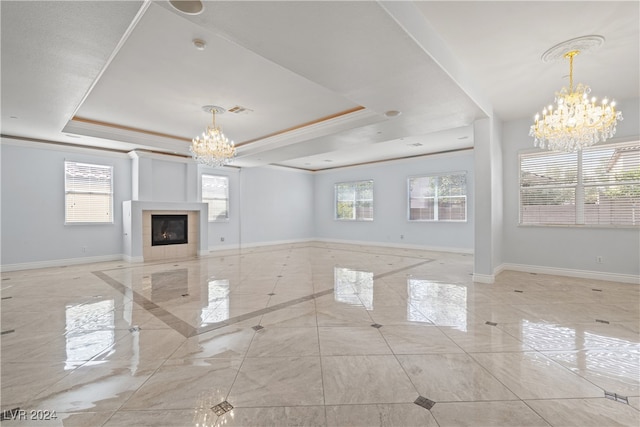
355, 200
580, 189
68, 192
436, 198
206, 200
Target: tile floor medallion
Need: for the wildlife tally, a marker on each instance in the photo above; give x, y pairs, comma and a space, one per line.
316, 334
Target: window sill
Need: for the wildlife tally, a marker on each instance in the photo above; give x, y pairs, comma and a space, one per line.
88, 223
612, 226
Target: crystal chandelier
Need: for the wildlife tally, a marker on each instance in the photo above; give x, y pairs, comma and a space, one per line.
212, 148
576, 121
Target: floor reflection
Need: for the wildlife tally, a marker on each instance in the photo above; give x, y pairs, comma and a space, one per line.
353, 287
599, 356
169, 285
441, 303
90, 329
217, 309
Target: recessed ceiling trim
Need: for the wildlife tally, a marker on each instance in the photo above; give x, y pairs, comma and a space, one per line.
127, 128
6, 139
303, 125
372, 162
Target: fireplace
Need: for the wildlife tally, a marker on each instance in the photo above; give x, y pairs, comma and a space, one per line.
169, 230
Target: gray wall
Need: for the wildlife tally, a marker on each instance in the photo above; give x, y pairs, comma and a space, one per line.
267, 205
33, 229
390, 204
276, 205
572, 248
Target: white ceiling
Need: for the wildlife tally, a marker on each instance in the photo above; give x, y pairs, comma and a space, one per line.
316, 78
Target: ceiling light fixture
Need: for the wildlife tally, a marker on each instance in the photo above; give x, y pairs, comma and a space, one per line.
576, 121
188, 7
199, 44
212, 148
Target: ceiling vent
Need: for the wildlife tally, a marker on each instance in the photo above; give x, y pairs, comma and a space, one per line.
239, 110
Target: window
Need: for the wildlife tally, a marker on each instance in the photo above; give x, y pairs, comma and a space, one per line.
598, 186
438, 198
354, 200
88, 193
215, 192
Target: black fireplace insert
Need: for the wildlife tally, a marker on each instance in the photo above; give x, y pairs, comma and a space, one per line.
169, 229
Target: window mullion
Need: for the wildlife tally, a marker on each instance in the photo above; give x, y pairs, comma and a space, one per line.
580, 191
436, 200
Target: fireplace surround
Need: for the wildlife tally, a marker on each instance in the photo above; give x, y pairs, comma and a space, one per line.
137, 230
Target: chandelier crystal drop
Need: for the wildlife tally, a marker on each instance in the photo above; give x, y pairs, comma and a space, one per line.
212, 148
576, 121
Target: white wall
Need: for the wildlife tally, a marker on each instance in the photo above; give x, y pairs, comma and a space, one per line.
163, 178
568, 249
267, 205
390, 204
33, 229
276, 205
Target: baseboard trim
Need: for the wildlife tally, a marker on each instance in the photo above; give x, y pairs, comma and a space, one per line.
483, 278
60, 262
132, 259
569, 272
397, 245
238, 246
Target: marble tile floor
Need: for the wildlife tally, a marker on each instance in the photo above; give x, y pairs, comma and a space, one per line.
316, 334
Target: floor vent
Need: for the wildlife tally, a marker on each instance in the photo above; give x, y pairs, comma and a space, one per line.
616, 397
222, 408
424, 402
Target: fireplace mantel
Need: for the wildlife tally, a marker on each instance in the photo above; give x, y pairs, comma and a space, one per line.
132, 219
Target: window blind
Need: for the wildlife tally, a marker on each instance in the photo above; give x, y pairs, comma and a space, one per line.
611, 178
596, 186
88, 193
547, 188
215, 192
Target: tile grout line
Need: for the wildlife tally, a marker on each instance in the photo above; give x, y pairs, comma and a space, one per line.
324, 394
